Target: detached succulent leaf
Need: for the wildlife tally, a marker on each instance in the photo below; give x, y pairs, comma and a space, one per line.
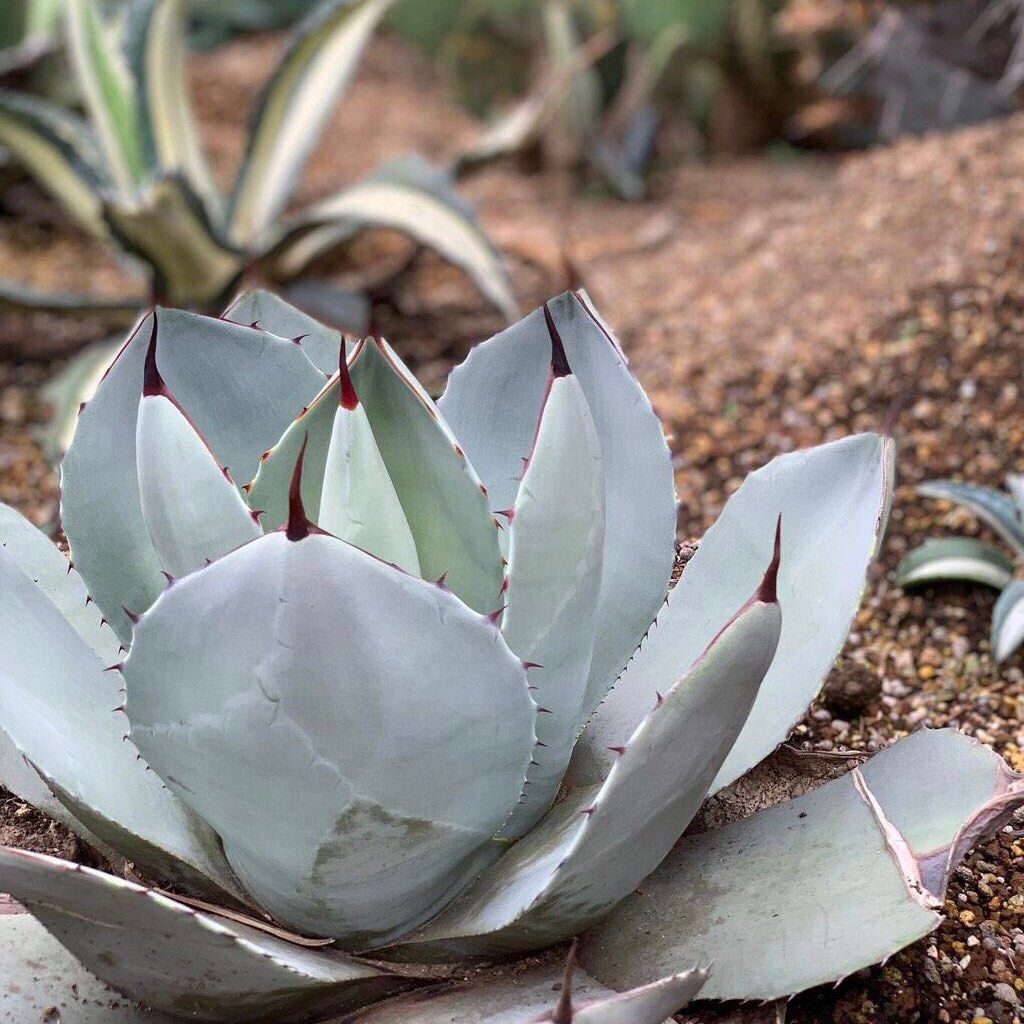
554, 580
955, 558
991, 506
294, 107
575, 866
492, 403
182, 961
398, 714
241, 386
815, 889
60, 709
410, 196
1008, 621
834, 501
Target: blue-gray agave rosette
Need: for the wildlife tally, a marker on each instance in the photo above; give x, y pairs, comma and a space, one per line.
320, 688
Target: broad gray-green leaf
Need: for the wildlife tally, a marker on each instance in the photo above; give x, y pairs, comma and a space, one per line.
294, 106
834, 502
71, 305
415, 198
186, 963
554, 580
17, 776
1008, 621
215, 369
532, 998
398, 716
358, 502
599, 843
349, 310
41, 978
492, 403
158, 54
1015, 485
955, 558
191, 506
166, 225
812, 890
108, 91
56, 149
443, 499
70, 389
991, 506
270, 312
59, 707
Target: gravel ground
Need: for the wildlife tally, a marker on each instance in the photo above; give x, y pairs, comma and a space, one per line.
766, 306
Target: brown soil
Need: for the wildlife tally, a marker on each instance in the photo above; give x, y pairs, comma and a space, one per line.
765, 306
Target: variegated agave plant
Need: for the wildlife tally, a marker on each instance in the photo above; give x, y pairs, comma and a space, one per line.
136, 174
975, 561
341, 701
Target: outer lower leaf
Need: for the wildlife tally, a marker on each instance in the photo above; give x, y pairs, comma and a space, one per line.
554, 579
955, 558
531, 997
410, 196
295, 105
70, 389
834, 502
108, 91
271, 313
157, 52
189, 964
358, 503
396, 714
595, 846
214, 368
443, 498
991, 506
113, 312
811, 890
166, 225
41, 978
1008, 621
57, 150
1015, 485
492, 403
58, 705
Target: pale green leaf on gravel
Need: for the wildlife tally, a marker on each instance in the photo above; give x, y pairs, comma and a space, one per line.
1008, 621
955, 558
993, 507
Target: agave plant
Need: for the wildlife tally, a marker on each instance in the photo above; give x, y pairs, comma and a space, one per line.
136, 175
975, 561
340, 710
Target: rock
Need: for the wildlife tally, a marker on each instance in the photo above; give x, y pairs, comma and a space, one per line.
1005, 993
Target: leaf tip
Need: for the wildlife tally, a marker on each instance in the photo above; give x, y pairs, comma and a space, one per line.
298, 526
767, 592
559, 362
347, 397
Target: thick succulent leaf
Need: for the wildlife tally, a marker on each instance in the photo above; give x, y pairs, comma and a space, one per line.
310, 432
70, 389
270, 312
108, 91
554, 580
294, 106
156, 49
991, 506
112, 312
59, 707
1015, 485
358, 503
40, 559
398, 715
241, 386
532, 997
955, 558
44, 983
1008, 621
599, 843
348, 310
814, 889
183, 962
410, 196
834, 502
57, 150
492, 403
192, 508
166, 225
443, 499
